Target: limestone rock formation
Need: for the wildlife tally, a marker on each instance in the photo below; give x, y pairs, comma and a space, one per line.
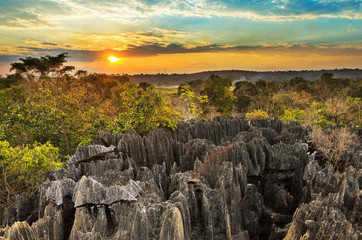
226, 179
88, 153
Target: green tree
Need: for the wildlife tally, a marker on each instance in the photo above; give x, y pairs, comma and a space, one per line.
245, 88
355, 90
194, 102
66, 113
23, 168
43, 66
12, 101
217, 91
326, 87
293, 115
196, 86
10, 80
242, 102
257, 114
144, 110
297, 84
256, 95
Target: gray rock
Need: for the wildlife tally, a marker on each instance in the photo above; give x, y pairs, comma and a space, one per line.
87, 153
89, 191
333, 205
60, 189
229, 178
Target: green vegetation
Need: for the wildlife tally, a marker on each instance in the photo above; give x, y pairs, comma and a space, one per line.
194, 103
23, 168
143, 109
69, 111
42, 102
293, 115
217, 91
47, 112
257, 114
326, 101
317, 104
43, 66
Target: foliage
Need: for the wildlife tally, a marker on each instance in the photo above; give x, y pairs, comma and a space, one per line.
67, 113
193, 108
336, 111
293, 115
297, 84
326, 101
256, 95
10, 80
144, 110
23, 168
332, 143
257, 114
354, 111
245, 88
327, 86
242, 102
355, 90
43, 66
217, 91
196, 86
11, 103
293, 99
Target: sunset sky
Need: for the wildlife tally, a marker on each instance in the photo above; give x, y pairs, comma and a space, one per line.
184, 36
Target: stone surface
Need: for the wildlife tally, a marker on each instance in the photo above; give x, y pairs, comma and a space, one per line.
89, 191
230, 178
87, 153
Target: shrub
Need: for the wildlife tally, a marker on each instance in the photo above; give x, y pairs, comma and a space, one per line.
144, 110
293, 115
23, 168
333, 143
257, 114
193, 103
217, 90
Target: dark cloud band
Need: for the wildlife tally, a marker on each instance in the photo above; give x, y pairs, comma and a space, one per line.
149, 50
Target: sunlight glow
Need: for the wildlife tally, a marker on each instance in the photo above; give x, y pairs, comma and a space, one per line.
113, 59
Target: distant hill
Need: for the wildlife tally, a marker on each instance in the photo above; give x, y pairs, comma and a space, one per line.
238, 75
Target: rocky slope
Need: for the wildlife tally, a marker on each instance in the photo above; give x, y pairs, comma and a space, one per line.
226, 179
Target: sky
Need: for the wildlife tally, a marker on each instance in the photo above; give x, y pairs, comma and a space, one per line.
184, 36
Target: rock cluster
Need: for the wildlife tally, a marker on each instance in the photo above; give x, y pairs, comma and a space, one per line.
226, 179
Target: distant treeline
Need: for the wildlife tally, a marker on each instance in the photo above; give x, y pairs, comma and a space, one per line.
163, 79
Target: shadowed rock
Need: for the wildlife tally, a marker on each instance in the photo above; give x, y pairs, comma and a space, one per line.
60, 189
229, 178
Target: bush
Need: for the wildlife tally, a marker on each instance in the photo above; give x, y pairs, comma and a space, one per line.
217, 90
257, 114
193, 103
144, 110
293, 115
23, 168
332, 144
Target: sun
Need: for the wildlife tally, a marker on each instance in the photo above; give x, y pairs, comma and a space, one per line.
113, 59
